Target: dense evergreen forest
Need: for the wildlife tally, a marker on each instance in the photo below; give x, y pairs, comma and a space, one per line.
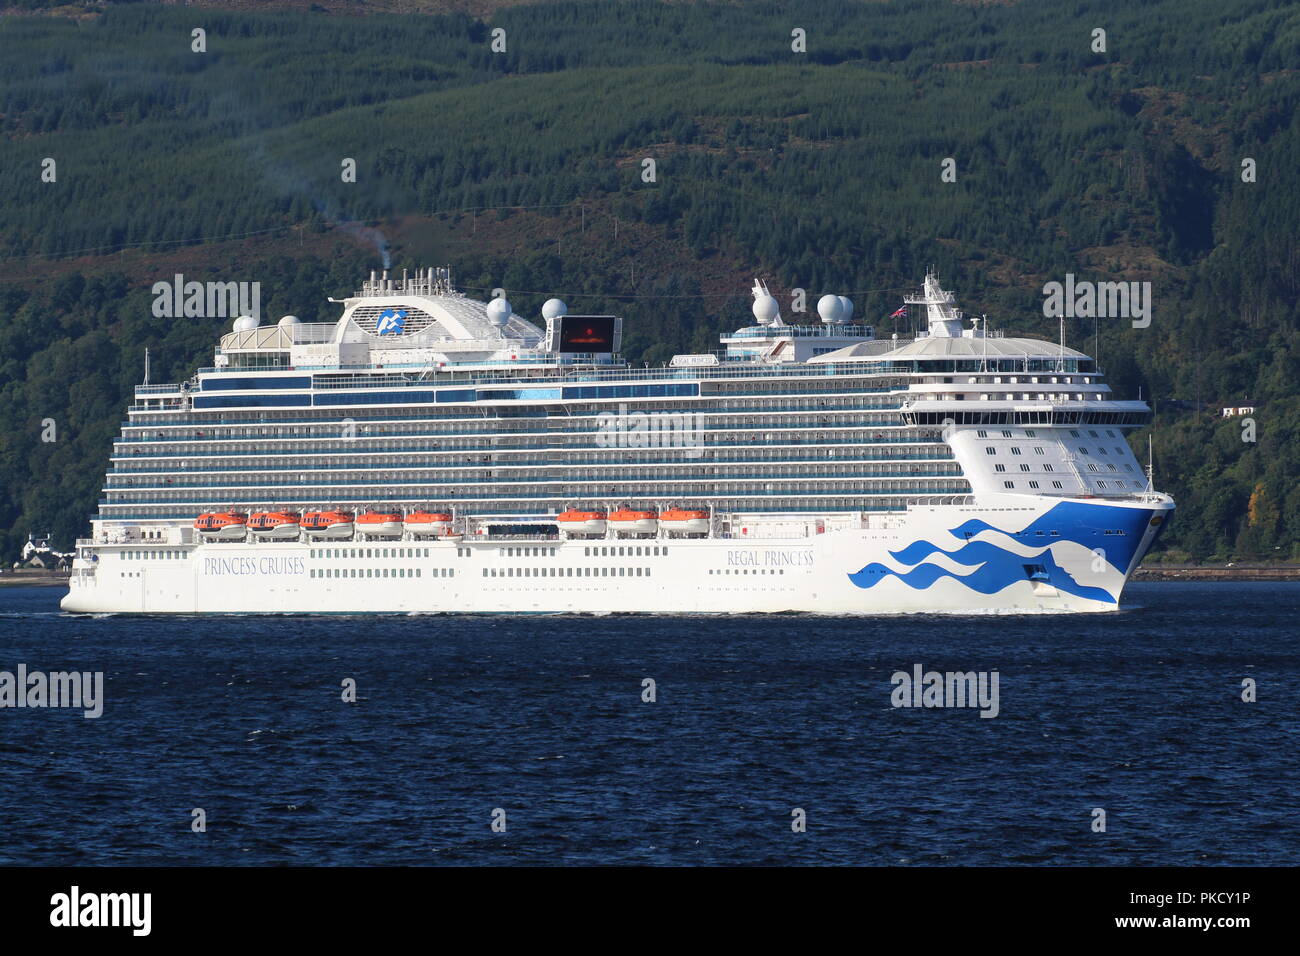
820, 169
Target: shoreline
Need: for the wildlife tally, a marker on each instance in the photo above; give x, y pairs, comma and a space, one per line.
1217, 572
34, 579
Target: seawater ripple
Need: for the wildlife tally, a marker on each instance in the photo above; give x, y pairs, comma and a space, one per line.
1138, 712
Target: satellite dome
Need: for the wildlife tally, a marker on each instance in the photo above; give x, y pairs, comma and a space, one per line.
245, 323
846, 311
766, 308
553, 309
830, 308
289, 320
498, 311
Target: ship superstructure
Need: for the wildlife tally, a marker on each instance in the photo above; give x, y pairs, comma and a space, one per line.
431, 452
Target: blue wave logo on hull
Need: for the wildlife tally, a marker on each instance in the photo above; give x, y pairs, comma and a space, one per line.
997, 568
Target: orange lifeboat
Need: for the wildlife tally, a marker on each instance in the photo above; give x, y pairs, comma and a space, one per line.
275, 524
626, 520
222, 525
380, 524
428, 522
328, 524
578, 521
685, 520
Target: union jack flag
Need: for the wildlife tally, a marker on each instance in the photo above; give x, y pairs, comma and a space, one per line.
901, 313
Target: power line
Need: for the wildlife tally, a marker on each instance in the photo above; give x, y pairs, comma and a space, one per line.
658, 295
122, 247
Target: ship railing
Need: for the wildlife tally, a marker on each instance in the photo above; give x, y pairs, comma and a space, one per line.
361, 500
501, 466
821, 511
733, 369
498, 481
788, 436
360, 450
423, 419
156, 389
176, 406
345, 499
732, 422
461, 373
803, 331
932, 500
313, 333
107, 537
523, 480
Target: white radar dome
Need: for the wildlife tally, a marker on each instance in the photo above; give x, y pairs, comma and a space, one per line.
498, 311
553, 309
766, 308
245, 323
289, 320
846, 305
830, 308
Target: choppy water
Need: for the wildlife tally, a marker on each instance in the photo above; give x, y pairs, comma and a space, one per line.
1137, 712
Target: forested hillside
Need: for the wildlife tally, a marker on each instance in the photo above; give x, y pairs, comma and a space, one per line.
819, 169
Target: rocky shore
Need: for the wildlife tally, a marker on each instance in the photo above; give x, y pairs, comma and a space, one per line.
1218, 572
33, 577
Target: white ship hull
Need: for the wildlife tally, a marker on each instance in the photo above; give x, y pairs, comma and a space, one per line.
1010, 554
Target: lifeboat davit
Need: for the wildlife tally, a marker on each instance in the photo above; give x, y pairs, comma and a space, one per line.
634, 521
577, 521
275, 524
428, 522
328, 524
380, 524
685, 520
221, 525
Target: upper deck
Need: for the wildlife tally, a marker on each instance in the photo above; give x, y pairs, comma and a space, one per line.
419, 395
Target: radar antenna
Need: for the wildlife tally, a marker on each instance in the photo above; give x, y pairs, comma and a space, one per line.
1151, 466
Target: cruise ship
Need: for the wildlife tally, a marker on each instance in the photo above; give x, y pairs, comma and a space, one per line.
429, 452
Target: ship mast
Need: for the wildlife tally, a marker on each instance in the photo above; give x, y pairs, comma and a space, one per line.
942, 319
1151, 469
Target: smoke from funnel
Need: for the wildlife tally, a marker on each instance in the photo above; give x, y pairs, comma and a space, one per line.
371, 235
281, 173
368, 234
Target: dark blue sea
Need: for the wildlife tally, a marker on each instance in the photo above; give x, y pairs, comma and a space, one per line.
1137, 712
